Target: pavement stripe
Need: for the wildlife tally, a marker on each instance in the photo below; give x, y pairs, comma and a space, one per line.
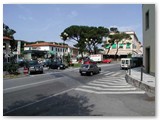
111, 83
109, 89
118, 73
109, 73
103, 85
109, 92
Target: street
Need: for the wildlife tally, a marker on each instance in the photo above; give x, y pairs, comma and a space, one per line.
67, 93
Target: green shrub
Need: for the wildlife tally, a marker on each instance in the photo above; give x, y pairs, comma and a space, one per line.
11, 68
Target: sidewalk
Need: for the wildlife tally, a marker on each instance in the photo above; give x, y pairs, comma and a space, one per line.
147, 84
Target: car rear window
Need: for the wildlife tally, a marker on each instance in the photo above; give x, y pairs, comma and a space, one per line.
84, 66
33, 62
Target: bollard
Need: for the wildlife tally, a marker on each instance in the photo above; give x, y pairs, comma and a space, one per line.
141, 73
129, 70
25, 71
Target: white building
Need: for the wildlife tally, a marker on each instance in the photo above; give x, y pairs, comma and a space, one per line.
58, 50
6, 49
126, 46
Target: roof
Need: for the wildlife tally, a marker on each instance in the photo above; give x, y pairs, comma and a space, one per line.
7, 38
47, 44
44, 44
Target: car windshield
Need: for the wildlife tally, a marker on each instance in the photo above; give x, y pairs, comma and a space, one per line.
123, 61
84, 66
31, 63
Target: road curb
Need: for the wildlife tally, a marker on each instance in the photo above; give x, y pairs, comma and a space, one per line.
140, 84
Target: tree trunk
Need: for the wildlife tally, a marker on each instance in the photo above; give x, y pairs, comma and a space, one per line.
115, 56
108, 50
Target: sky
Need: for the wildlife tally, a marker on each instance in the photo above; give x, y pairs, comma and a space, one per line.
45, 22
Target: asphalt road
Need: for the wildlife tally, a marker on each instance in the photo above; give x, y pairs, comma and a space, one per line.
66, 93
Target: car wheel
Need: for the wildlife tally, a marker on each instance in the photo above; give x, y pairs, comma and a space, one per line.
91, 73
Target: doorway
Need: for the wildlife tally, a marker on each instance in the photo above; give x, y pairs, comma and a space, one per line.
147, 60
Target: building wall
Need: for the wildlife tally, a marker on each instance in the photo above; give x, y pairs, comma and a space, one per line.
135, 46
59, 50
149, 38
7, 48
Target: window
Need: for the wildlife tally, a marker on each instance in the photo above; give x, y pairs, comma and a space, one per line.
120, 45
128, 45
127, 61
4, 45
147, 20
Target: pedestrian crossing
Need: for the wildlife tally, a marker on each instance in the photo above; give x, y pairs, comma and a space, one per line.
106, 73
109, 85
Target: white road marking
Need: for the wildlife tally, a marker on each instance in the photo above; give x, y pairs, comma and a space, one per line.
40, 100
108, 92
103, 85
36, 83
111, 89
109, 73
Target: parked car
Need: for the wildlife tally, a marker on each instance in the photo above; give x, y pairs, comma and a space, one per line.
46, 62
34, 67
89, 61
106, 61
89, 69
57, 65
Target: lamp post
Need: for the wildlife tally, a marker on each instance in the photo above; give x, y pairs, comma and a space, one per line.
64, 37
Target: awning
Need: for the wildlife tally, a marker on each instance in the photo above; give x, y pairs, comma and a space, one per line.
114, 46
121, 45
107, 46
128, 45
52, 52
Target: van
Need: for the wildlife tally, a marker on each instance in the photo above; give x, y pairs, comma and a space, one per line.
126, 63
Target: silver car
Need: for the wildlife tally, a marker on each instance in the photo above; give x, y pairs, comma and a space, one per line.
89, 69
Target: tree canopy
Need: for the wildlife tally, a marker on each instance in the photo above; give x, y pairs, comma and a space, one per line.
116, 37
8, 32
87, 38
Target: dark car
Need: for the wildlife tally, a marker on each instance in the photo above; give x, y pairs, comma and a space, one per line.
89, 69
46, 62
34, 67
57, 65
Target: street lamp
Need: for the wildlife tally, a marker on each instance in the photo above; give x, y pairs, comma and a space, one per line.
64, 37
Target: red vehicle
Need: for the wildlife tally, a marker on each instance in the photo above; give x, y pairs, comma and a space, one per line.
106, 61
89, 62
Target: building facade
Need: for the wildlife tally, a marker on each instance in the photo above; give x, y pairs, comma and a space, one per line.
125, 47
148, 11
6, 49
57, 50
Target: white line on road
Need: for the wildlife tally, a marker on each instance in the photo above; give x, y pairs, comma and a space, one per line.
39, 100
107, 92
100, 88
22, 86
103, 85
